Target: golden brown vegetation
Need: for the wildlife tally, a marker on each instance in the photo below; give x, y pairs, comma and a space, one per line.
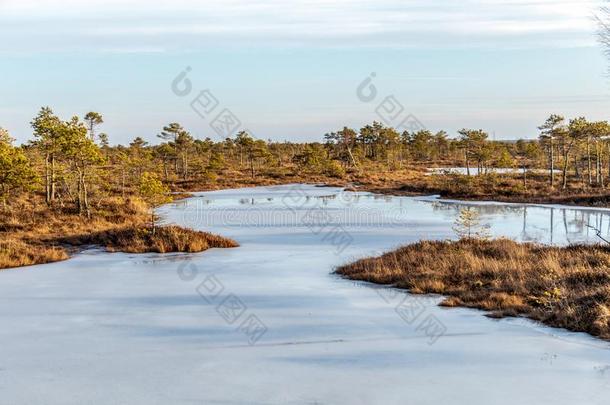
142, 239
17, 253
567, 287
507, 187
33, 233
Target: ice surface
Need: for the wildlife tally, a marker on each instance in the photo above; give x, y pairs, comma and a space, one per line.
158, 329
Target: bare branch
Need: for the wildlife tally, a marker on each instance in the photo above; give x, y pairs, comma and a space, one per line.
598, 233
603, 32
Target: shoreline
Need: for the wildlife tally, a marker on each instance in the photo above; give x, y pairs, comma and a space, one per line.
572, 201
592, 200
53, 248
127, 232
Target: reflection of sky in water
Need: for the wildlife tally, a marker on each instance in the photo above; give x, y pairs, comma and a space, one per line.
364, 212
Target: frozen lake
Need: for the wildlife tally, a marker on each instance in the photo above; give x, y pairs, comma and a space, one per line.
268, 323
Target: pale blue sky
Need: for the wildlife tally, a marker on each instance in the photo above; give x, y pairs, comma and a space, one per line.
290, 69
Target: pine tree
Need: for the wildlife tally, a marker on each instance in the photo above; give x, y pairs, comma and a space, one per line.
82, 154
93, 119
46, 127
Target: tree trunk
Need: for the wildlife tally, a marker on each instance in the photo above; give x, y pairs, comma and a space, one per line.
5, 192
52, 195
597, 163
609, 159
565, 170
85, 194
552, 163
47, 180
123, 182
79, 194
589, 160
349, 151
600, 170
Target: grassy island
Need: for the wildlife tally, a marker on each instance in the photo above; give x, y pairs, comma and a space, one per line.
567, 287
36, 234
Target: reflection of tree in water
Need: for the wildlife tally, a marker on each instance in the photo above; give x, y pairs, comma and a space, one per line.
595, 224
531, 232
325, 198
352, 198
534, 233
574, 227
383, 197
576, 224
254, 201
491, 209
579, 225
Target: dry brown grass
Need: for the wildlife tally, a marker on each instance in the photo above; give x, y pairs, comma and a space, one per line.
142, 239
566, 287
33, 233
232, 178
17, 253
496, 187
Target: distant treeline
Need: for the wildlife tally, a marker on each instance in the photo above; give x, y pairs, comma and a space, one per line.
68, 162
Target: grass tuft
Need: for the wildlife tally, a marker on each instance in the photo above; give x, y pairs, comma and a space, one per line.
17, 253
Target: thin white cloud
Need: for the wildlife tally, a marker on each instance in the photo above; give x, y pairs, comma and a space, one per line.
182, 24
